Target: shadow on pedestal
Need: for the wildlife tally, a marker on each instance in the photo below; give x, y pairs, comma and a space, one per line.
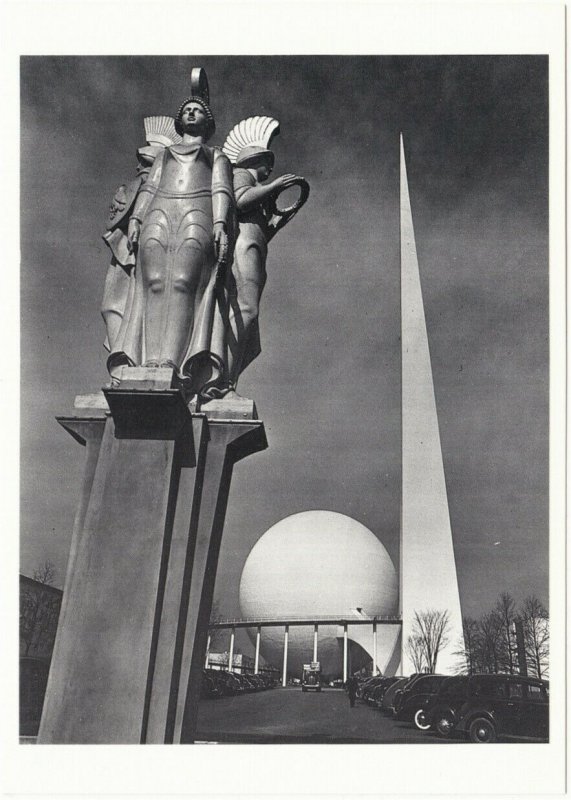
128, 657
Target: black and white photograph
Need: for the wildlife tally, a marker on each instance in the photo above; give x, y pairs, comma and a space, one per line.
288, 347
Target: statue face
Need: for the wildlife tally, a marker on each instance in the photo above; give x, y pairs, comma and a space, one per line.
193, 119
263, 171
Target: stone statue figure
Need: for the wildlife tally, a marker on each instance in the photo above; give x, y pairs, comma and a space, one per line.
119, 282
259, 219
189, 240
181, 231
121, 268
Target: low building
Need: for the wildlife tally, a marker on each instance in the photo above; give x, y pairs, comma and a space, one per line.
241, 664
40, 606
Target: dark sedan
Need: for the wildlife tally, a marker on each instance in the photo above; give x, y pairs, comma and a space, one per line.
441, 710
392, 694
411, 702
505, 706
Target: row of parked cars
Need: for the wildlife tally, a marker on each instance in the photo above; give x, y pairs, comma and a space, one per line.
481, 708
221, 683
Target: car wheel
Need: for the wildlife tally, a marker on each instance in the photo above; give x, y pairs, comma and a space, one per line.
420, 720
444, 726
482, 731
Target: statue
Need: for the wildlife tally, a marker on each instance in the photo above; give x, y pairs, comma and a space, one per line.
259, 219
189, 238
120, 271
180, 231
119, 282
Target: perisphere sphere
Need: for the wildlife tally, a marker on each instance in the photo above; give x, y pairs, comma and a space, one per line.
317, 564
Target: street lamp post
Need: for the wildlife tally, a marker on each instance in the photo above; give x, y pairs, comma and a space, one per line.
284, 675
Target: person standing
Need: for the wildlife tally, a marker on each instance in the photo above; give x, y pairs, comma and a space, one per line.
352, 685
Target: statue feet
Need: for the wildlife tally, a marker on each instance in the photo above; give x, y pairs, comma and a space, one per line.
228, 391
224, 402
168, 364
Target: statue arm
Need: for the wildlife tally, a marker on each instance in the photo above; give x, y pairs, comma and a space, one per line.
143, 201
248, 197
148, 189
223, 203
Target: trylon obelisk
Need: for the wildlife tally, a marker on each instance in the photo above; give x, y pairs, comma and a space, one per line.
428, 569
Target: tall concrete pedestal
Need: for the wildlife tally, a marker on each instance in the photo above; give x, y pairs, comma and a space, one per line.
130, 648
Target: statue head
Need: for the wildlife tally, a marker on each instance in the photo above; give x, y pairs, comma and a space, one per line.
209, 126
248, 145
258, 158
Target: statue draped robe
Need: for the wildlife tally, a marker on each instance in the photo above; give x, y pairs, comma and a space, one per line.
188, 190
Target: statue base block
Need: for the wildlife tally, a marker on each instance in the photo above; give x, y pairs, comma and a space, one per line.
147, 413
131, 642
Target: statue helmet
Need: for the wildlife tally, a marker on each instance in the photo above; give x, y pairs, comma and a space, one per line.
248, 142
252, 155
198, 94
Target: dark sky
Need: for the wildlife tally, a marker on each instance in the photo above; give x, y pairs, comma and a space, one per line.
327, 383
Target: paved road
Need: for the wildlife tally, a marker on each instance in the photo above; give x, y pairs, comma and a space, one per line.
291, 716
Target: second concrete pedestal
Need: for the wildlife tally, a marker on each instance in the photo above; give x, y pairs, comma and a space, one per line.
128, 658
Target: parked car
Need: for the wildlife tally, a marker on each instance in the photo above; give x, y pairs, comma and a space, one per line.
390, 695
370, 687
230, 682
381, 692
258, 682
504, 705
396, 695
210, 688
375, 695
311, 677
440, 710
412, 699
248, 684
366, 683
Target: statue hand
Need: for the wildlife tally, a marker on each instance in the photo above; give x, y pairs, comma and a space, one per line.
133, 233
283, 182
220, 242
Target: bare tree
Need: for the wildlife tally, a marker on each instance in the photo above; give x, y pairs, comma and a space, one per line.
505, 611
536, 634
415, 651
432, 629
492, 645
39, 612
469, 652
216, 634
45, 573
489, 643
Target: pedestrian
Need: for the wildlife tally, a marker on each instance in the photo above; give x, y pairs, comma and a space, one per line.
351, 686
